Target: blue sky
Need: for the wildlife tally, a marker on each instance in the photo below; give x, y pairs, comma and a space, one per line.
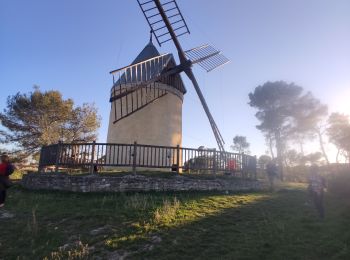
72, 45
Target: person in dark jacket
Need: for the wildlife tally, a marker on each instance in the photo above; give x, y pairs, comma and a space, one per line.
317, 184
271, 170
6, 169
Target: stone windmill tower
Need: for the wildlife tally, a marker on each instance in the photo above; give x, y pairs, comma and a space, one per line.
146, 104
147, 95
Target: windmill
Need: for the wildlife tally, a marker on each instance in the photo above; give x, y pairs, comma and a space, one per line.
152, 77
167, 23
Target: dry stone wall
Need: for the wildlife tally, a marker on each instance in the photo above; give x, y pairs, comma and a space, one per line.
95, 183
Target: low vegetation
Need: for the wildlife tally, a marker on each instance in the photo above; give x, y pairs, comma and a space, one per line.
186, 225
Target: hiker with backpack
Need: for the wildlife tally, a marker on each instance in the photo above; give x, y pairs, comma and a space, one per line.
6, 169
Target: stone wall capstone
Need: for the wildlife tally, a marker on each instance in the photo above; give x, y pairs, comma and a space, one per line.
137, 183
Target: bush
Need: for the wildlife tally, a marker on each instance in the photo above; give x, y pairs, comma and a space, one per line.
297, 173
17, 175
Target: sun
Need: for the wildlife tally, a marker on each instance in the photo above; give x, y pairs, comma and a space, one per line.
341, 102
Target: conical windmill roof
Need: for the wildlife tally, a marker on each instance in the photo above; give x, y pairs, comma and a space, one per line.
150, 51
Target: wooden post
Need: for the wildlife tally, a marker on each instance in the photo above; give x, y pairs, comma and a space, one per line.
134, 158
214, 162
243, 166
58, 152
178, 159
92, 157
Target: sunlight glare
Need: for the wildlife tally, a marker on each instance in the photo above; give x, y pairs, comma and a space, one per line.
341, 102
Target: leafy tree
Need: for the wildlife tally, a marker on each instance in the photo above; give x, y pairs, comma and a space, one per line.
339, 133
313, 157
292, 158
309, 114
275, 102
263, 160
42, 118
285, 112
240, 144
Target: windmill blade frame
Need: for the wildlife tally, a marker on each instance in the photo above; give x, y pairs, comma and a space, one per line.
156, 23
185, 64
207, 57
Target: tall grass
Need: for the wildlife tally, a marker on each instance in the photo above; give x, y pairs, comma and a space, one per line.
137, 201
70, 252
167, 212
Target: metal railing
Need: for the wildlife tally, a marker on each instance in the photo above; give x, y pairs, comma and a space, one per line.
187, 160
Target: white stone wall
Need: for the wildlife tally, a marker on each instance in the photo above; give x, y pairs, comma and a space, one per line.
158, 123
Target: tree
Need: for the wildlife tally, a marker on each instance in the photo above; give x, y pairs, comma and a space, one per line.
292, 158
275, 102
285, 112
339, 133
313, 158
309, 115
263, 160
270, 143
42, 118
240, 144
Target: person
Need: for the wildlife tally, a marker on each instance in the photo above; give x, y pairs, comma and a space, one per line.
316, 188
271, 170
6, 169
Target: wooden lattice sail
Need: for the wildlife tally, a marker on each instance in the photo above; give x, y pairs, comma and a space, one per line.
146, 101
139, 84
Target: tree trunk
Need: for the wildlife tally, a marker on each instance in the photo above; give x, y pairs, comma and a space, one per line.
337, 156
270, 142
279, 153
321, 145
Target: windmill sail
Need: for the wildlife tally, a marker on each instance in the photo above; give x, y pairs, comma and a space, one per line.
142, 83
156, 22
207, 57
159, 18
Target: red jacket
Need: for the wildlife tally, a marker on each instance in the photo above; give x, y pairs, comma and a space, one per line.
3, 169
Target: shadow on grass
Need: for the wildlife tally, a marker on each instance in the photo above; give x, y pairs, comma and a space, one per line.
282, 225
177, 225
47, 220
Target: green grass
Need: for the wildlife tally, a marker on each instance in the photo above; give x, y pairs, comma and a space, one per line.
187, 225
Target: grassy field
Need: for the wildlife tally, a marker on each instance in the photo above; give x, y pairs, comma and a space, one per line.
260, 225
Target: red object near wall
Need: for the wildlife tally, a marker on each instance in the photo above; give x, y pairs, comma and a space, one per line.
231, 165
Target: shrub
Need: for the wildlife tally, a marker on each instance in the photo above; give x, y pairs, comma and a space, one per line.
17, 175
